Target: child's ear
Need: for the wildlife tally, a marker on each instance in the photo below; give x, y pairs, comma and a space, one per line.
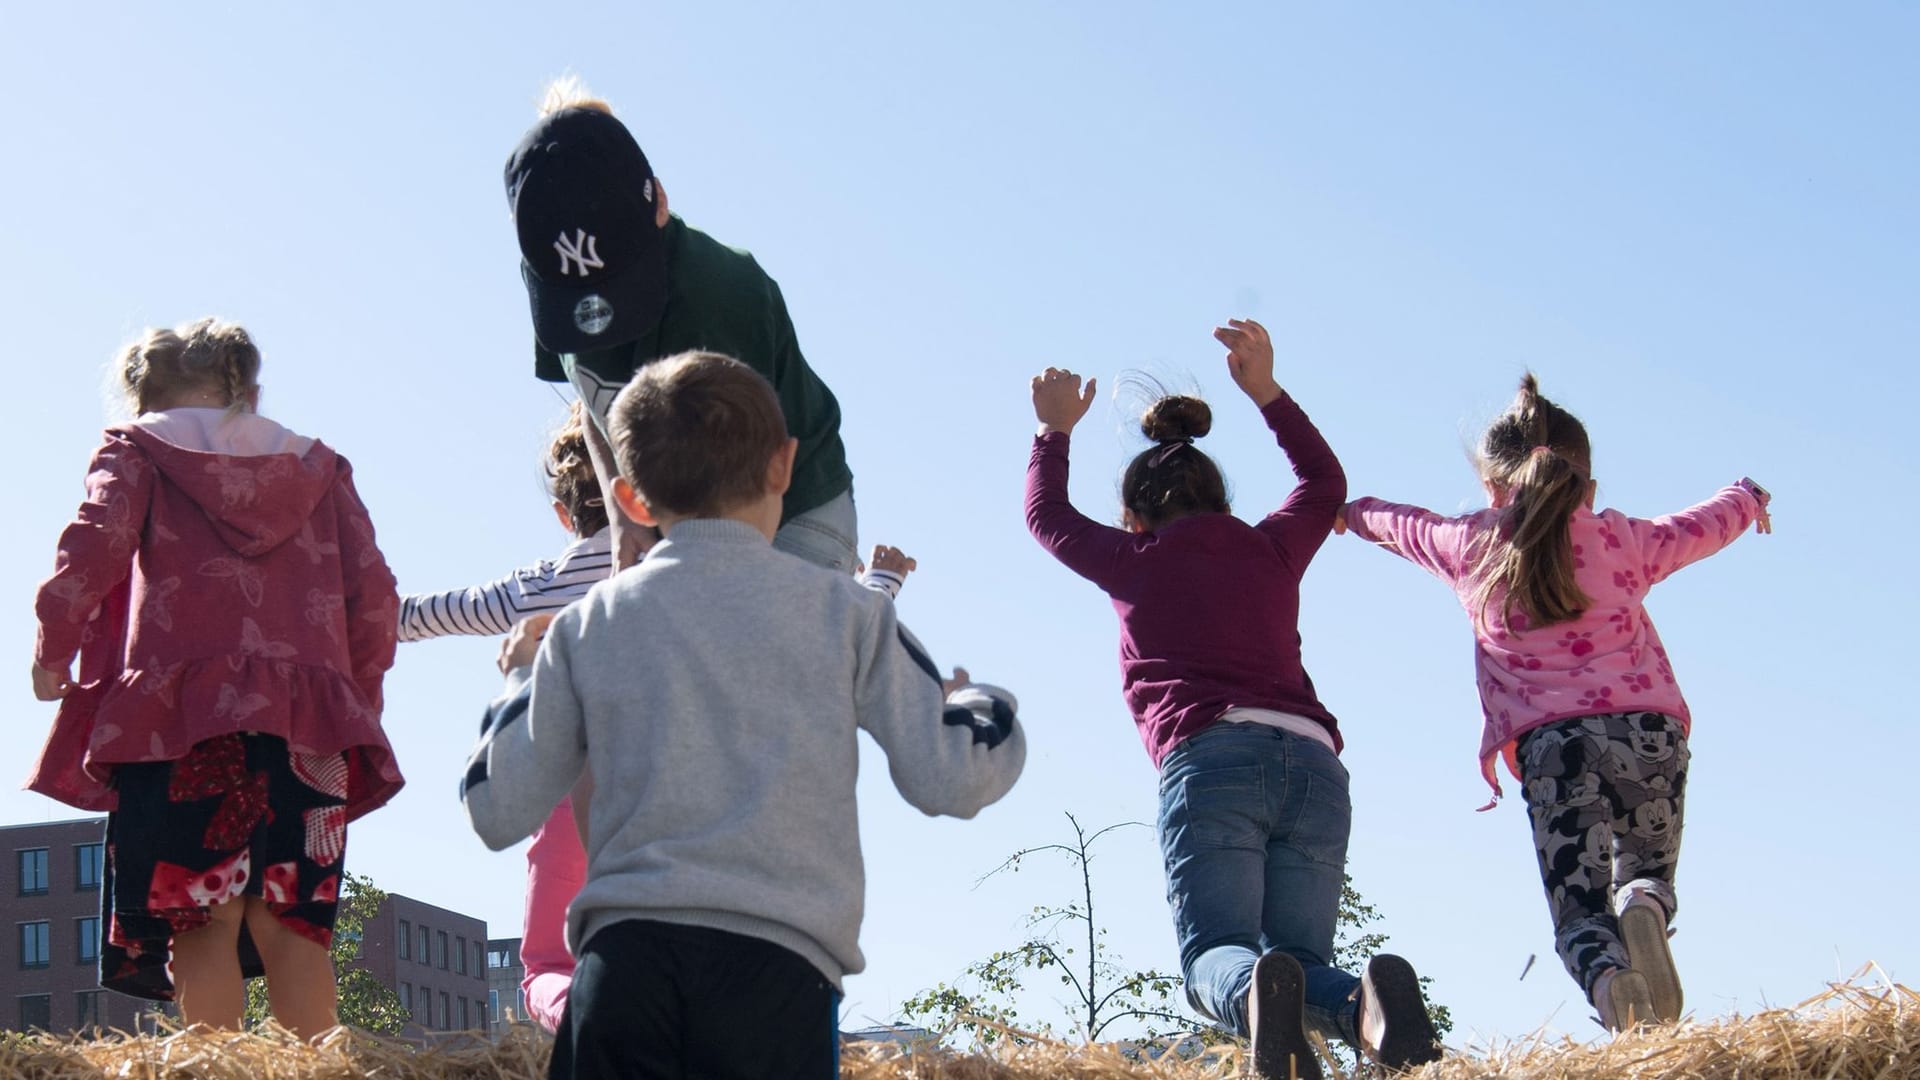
630, 503
560, 511
780, 467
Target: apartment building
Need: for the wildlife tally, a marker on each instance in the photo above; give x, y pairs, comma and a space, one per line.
506, 1004
435, 958
50, 911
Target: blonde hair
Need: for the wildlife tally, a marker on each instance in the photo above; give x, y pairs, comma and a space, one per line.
569, 91
207, 354
1539, 454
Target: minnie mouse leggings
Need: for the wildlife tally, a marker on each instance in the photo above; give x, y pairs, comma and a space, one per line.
1605, 794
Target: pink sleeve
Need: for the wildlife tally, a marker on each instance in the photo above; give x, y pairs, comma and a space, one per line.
372, 596
1435, 543
556, 868
1672, 541
1087, 547
96, 551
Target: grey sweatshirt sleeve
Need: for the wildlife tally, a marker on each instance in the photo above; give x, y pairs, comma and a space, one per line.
532, 749
951, 756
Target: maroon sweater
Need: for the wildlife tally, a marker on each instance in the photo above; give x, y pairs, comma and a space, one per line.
1209, 606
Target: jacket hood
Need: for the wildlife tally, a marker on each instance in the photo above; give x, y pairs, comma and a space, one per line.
257, 482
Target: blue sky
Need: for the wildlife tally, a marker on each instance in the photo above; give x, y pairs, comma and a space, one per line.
1696, 224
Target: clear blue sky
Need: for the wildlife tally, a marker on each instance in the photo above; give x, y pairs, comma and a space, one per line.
1697, 225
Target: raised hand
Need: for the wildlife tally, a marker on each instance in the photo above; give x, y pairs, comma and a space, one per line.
893, 561
523, 644
960, 679
1249, 359
1057, 400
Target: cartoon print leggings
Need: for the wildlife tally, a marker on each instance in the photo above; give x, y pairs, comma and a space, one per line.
1605, 795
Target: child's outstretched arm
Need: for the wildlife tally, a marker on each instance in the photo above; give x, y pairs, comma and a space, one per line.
533, 744
948, 753
95, 556
1087, 547
368, 589
886, 571
1435, 543
497, 606
1301, 524
1676, 540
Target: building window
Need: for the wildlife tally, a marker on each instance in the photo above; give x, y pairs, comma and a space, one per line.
33, 871
406, 940
493, 1006
36, 944
459, 956
446, 1009
478, 969
86, 934
86, 1006
442, 935
89, 865
466, 1020
497, 958
423, 946
36, 1011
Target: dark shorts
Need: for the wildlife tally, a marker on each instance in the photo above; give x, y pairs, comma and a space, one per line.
655, 999
237, 817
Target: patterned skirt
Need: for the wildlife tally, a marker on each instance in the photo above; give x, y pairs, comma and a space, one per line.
238, 817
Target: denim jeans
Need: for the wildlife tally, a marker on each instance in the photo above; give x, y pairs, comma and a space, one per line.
826, 535
1253, 831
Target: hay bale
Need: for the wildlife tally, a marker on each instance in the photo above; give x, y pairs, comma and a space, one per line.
1850, 1032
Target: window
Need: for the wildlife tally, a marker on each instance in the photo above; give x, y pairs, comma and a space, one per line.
478, 970
36, 1011
497, 958
427, 1000
442, 936
89, 865
493, 1006
33, 871
466, 1021
423, 946
446, 1010
406, 940
406, 997
459, 956
86, 934
86, 1007
36, 944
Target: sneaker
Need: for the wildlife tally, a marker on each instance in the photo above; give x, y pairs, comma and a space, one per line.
1277, 1021
1623, 999
1643, 929
1394, 1026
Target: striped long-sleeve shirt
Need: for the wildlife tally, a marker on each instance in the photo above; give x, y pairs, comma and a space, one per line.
494, 608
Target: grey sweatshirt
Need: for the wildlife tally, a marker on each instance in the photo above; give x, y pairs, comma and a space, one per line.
715, 692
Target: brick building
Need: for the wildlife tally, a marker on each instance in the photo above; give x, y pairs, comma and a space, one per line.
50, 910
435, 958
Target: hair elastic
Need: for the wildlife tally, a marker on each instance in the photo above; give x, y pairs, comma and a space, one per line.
1166, 451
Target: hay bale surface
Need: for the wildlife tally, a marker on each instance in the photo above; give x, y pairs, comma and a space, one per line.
1850, 1032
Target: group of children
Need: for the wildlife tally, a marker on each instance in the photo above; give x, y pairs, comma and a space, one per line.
685, 685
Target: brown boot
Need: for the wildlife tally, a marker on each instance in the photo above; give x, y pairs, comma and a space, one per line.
1277, 1021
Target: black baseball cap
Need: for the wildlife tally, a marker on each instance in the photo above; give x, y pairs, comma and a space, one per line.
583, 200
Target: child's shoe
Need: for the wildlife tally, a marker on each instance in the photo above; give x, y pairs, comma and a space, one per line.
1277, 1021
1643, 929
1395, 1029
1623, 999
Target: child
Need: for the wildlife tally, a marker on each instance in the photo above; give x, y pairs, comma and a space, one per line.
1254, 811
711, 697
1578, 694
233, 620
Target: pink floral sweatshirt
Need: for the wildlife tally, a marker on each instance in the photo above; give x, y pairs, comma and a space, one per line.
1607, 660
220, 577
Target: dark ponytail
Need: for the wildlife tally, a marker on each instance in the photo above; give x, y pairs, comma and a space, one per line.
1539, 454
1173, 479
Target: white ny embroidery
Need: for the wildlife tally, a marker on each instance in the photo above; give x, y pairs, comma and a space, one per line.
570, 251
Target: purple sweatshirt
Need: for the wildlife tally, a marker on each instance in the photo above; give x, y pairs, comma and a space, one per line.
1209, 606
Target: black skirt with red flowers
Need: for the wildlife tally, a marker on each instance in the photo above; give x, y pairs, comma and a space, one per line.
238, 817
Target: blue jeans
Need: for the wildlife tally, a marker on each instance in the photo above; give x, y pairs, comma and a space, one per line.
1253, 831
825, 535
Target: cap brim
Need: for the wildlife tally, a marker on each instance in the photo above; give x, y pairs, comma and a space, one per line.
597, 314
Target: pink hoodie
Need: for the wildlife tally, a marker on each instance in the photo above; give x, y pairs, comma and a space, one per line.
221, 576
1607, 660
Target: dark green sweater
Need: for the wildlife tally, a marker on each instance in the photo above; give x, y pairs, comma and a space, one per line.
719, 300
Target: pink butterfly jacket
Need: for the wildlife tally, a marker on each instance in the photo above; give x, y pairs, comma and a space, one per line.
1607, 660
220, 577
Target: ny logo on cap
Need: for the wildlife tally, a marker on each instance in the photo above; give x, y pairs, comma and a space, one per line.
570, 251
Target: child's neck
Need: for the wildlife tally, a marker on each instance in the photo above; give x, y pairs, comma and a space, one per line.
762, 513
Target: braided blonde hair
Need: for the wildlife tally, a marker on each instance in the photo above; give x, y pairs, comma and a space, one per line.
207, 354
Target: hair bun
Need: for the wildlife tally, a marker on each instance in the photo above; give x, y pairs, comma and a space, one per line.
1176, 417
